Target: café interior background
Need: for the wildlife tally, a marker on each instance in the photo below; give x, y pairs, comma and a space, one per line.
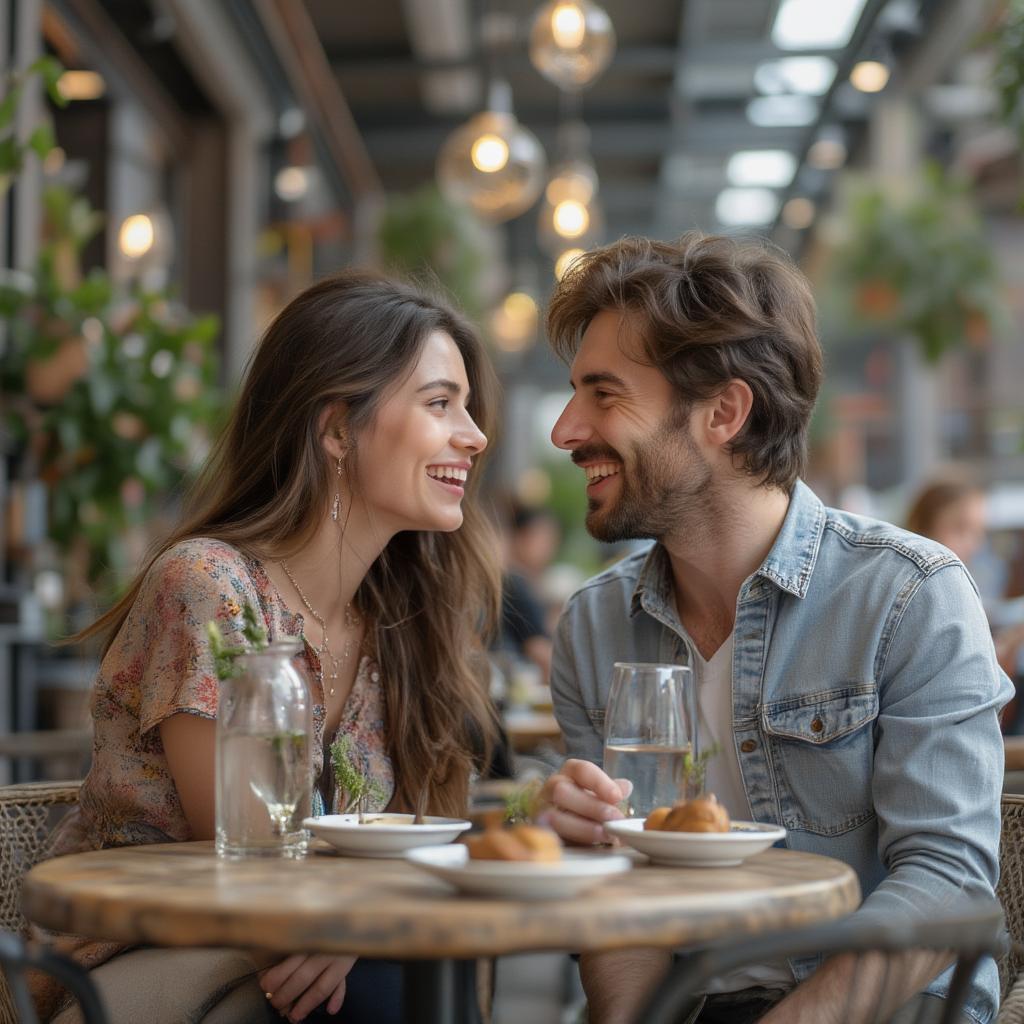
173, 171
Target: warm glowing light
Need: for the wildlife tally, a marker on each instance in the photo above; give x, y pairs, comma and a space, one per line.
565, 261
291, 183
827, 154
520, 306
514, 322
798, 213
81, 85
568, 26
570, 218
869, 76
136, 236
571, 184
489, 153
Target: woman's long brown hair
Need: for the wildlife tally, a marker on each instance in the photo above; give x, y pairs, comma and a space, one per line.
432, 598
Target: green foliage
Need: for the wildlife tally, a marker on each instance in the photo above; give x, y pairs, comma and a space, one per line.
225, 655
358, 789
920, 266
424, 236
40, 141
695, 770
1008, 72
112, 395
521, 803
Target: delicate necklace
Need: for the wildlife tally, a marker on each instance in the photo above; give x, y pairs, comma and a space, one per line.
352, 621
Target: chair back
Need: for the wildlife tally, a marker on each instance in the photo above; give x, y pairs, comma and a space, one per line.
971, 934
1011, 887
16, 956
27, 815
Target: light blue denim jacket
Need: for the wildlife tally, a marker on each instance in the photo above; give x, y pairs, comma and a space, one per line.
876, 636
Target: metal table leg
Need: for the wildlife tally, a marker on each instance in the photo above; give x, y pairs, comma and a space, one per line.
439, 992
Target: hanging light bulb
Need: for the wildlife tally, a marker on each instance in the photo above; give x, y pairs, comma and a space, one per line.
573, 179
514, 322
566, 260
492, 163
571, 42
570, 214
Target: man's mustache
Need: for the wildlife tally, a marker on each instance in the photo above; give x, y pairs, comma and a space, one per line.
594, 452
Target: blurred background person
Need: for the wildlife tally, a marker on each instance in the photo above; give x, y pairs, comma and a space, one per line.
954, 513
532, 538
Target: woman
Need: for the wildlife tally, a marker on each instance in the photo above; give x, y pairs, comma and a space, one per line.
953, 513
334, 504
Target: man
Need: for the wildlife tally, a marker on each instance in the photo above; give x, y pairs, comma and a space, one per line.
844, 667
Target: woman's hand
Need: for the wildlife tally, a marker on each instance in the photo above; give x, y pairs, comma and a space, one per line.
297, 986
579, 798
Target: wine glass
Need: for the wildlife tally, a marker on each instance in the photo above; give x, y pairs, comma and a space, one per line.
650, 728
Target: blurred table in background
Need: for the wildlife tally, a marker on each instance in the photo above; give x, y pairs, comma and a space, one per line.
529, 730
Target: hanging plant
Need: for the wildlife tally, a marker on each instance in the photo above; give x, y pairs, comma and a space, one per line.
110, 394
1008, 70
921, 267
422, 234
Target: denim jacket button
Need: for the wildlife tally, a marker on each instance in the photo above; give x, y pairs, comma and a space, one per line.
817, 725
748, 746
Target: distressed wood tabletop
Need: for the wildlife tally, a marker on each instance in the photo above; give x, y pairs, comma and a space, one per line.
180, 894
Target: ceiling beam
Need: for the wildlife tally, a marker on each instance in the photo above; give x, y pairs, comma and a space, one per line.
632, 59
293, 34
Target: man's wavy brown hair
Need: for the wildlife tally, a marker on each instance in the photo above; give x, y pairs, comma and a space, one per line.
710, 309
431, 598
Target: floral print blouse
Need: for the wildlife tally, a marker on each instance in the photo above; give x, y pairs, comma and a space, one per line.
160, 665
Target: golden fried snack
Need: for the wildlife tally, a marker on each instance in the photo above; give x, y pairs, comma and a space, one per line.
655, 821
542, 843
704, 814
519, 843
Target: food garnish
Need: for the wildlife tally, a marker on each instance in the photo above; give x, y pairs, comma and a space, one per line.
358, 790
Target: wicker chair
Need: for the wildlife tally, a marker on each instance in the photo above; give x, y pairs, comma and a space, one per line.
27, 815
1011, 895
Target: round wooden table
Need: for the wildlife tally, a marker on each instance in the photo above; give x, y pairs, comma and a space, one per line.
182, 895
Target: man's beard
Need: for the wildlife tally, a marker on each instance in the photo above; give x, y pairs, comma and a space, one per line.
668, 486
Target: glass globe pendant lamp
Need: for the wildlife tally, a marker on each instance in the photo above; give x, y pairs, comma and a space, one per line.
570, 215
571, 42
492, 163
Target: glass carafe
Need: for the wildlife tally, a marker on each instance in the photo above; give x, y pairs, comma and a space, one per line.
264, 756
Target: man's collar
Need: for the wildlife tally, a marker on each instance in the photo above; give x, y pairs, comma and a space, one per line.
788, 565
791, 560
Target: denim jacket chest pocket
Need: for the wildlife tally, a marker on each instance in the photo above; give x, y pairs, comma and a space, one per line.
821, 748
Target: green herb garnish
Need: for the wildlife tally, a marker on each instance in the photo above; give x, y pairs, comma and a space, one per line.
224, 655
358, 789
694, 771
521, 803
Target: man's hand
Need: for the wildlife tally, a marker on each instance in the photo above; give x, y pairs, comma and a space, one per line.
297, 986
579, 798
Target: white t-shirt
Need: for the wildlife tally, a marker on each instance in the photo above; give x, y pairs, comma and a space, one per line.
723, 778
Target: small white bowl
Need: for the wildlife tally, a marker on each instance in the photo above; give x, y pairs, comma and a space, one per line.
384, 834
697, 849
517, 879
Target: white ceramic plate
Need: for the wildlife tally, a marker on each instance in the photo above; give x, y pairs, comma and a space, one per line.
518, 880
383, 835
697, 849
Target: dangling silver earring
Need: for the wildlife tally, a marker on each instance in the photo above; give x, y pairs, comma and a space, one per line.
336, 504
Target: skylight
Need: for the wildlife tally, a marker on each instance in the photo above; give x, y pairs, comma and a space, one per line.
808, 75
816, 25
782, 111
772, 168
736, 207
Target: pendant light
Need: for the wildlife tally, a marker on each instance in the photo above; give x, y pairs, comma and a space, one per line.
571, 42
492, 163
